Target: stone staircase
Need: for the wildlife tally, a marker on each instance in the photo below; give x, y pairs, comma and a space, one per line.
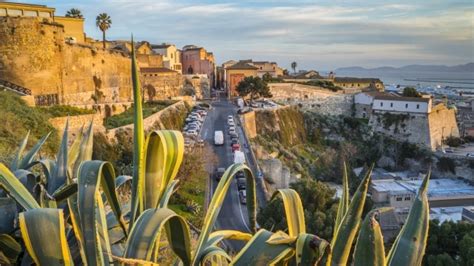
13, 87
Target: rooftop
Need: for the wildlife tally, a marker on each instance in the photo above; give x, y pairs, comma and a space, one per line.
437, 188
360, 80
242, 65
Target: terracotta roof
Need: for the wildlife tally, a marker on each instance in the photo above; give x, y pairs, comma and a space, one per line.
242, 65
155, 70
401, 99
351, 79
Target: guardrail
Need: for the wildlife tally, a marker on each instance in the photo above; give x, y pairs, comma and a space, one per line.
14, 87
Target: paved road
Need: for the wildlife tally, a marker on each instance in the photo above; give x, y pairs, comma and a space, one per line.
233, 215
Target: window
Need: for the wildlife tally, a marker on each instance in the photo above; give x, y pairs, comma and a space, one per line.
381, 103
391, 104
365, 109
406, 105
407, 198
417, 106
398, 198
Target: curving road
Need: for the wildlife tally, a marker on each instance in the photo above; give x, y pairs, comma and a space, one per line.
233, 215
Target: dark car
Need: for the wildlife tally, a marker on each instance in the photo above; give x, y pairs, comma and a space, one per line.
234, 141
219, 172
240, 174
241, 183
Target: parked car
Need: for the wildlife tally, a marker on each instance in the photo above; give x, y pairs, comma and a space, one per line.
230, 122
243, 197
235, 147
240, 174
232, 128
470, 155
218, 173
200, 142
234, 141
241, 183
231, 132
234, 135
230, 117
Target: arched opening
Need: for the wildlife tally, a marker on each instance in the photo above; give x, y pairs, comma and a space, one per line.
190, 70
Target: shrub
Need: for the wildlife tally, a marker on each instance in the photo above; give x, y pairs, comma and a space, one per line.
446, 164
65, 110
453, 141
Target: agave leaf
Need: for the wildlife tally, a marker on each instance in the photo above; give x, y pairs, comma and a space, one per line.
218, 236
74, 151
138, 145
310, 249
215, 255
282, 258
294, 212
21, 149
102, 231
27, 178
216, 204
27, 160
122, 180
369, 249
59, 176
76, 225
343, 201
49, 167
65, 192
7, 219
347, 231
10, 249
258, 251
38, 228
165, 198
85, 150
409, 246
146, 231
15, 189
91, 174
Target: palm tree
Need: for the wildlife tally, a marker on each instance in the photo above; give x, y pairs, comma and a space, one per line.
74, 13
103, 22
293, 66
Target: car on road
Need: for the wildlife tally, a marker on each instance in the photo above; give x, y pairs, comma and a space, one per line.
235, 147
470, 155
191, 132
243, 197
200, 142
231, 132
231, 122
240, 174
234, 135
218, 173
234, 141
241, 183
218, 138
232, 128
230, 117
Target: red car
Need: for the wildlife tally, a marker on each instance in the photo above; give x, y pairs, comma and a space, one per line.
235, 147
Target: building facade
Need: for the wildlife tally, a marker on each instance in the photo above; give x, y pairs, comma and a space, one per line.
171, 56
264, 67
236, 73
196, 60
357, 83
160, 83
26, 10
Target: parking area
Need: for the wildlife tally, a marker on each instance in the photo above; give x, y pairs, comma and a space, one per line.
193, 126
465, 150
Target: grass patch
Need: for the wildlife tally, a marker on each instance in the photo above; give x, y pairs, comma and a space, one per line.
126, 117
17, 119
65, 110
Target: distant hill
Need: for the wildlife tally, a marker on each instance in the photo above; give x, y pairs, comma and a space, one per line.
469, 67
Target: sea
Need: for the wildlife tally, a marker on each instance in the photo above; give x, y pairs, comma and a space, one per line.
460, 81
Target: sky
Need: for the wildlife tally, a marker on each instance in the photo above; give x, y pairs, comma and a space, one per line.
321, 35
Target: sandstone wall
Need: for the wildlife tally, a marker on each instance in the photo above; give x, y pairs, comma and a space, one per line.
285, 124
76, 122
425, 129
249, 124
172, 117
442, 124
34, 55
162, 86
312, 98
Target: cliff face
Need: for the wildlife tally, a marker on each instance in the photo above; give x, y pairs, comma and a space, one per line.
34, 55
285, 124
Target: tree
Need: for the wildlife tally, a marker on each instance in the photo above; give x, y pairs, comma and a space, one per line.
286, 72
410, 92
293, 66
267, 77
254, 86
74, 13
320, 209
103, 22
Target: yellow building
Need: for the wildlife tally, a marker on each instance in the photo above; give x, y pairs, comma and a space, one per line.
236, 73
358, 83
171, 56
25, 10
73, 28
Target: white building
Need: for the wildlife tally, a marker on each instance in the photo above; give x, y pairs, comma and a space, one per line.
367, 102
442, 193
171, 56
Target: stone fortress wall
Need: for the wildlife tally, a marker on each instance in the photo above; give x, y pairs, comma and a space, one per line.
312, 98
34, 54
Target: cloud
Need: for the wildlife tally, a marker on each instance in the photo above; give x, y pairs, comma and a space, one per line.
325, 34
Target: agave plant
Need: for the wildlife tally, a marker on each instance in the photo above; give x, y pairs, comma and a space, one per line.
74, 216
